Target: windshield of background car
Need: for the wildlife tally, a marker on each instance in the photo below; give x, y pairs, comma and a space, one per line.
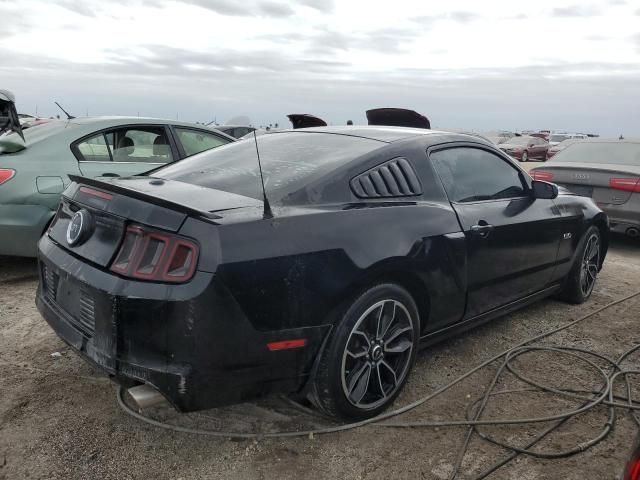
623, 153
558, 138
519, 140
289, 162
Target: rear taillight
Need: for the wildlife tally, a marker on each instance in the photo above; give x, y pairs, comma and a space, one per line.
627, 184
542, 175
155, 256
6, 174
632, 472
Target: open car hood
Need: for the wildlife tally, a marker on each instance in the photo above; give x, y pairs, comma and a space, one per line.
397, 117
305, 120
9, 124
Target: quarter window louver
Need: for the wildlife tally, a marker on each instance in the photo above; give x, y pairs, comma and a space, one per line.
394, 178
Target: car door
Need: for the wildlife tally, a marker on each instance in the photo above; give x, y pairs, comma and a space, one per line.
541, 147
126, 150
512, 238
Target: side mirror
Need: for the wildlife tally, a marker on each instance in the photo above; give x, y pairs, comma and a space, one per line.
544, 190
531, 145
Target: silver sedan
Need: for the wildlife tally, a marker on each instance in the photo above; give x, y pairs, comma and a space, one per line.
608, 171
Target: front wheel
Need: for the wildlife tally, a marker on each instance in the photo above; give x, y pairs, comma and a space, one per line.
369, 355
582, 277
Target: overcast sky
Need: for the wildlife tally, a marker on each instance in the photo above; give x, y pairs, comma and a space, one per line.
467, 64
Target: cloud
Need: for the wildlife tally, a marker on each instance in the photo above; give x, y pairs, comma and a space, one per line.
575, 11
383, 40
388, 40
247, 8
274, 9
14, 21
325, 6
463, 17
458, 16
77, 7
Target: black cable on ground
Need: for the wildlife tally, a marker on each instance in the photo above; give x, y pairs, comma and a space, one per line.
601, 395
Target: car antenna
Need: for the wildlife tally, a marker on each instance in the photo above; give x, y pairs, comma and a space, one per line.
69, 117
267, 207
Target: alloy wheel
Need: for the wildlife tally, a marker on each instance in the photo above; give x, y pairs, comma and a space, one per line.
377, 354
590, 262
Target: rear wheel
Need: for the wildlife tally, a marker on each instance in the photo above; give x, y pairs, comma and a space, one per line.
368, 358
582, 277
525, 156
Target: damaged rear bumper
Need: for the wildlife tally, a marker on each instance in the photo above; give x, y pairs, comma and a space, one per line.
190, 342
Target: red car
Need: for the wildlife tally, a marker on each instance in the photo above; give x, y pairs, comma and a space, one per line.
632, 470
541, 134
526, 148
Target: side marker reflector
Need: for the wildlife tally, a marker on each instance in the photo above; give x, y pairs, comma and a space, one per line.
287, 344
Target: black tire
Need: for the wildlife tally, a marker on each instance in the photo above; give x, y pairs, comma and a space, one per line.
341, 374
582, 277
525, 156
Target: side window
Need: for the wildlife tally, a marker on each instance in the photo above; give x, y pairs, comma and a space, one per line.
94, 149
196, 141
472, 175
141, 144
138, 144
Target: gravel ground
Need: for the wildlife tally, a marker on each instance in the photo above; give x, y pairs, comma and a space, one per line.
60, 420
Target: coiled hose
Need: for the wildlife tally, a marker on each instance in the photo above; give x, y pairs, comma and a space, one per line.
601, 396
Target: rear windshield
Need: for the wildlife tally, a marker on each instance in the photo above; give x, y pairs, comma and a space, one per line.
622, 153
290, 160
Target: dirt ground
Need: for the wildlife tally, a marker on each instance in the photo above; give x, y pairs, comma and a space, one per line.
60, 420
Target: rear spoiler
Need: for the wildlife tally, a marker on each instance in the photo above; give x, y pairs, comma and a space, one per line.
104, 185
397, 117
305, 120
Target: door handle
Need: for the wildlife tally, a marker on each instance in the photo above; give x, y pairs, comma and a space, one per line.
109, 174
483, 229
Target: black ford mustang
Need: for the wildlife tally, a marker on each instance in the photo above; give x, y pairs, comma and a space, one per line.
378, 240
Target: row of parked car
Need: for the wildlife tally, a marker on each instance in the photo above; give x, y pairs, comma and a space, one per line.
539, 146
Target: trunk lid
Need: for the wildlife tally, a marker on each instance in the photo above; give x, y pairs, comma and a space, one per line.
109, 204
589, 180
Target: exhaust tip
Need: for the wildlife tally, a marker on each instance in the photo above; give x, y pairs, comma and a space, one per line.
633, 232
145, 396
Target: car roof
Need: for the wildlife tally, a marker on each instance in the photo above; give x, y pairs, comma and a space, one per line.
108, 121
381, 133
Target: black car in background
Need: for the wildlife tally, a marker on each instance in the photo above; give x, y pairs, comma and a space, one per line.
378, 240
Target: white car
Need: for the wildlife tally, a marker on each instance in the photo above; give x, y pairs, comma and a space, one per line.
556, 138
